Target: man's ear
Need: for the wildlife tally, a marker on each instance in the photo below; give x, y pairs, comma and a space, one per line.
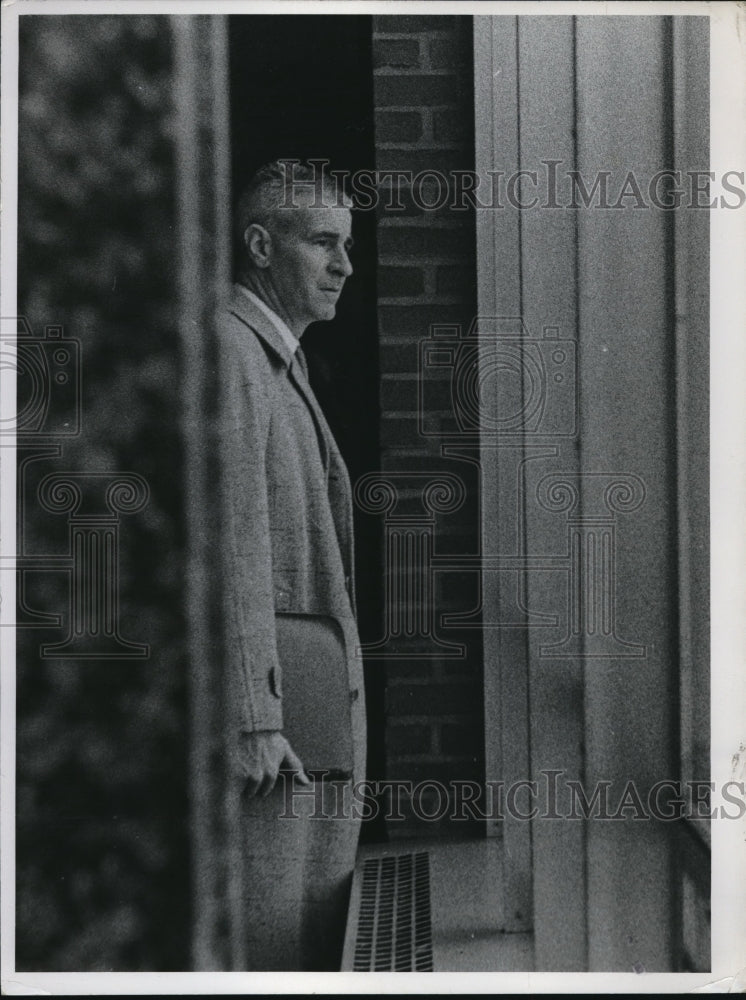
258, 244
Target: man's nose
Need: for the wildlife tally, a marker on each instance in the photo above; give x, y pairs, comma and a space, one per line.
340, 264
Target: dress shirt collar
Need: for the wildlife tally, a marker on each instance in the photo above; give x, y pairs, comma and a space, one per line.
291, 341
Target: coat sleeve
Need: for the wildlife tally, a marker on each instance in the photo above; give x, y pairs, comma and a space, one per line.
253, 668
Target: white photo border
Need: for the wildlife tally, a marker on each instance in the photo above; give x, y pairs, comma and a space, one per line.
728, 532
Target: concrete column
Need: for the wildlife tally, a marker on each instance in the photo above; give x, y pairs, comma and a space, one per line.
200, 77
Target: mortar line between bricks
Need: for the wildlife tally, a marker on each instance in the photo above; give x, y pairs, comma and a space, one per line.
409, 758
425, 221
460, 683
395, 71
401, 414
400, 36
448, 106
400, 681
408, 340
393, 451
412, 259
402, 721
421, 300
384, 208
425, 143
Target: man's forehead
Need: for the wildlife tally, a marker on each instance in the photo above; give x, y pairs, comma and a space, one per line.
308, 218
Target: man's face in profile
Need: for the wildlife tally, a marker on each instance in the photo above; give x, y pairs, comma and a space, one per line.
309, 259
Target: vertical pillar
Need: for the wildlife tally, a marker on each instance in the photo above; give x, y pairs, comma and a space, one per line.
499, 296
200, 78
627, 423
691, 140
548, 267
590, 94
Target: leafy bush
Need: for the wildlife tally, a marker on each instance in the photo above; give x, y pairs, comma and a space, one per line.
102, 862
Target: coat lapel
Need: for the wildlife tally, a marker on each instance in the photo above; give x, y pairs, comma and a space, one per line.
242, 307
340, 494
323, 431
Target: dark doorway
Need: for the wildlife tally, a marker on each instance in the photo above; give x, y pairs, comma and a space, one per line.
304, 90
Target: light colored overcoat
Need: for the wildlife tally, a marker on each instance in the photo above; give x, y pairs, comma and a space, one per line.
286, 500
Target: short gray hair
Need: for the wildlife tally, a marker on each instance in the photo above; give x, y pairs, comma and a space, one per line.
274, 185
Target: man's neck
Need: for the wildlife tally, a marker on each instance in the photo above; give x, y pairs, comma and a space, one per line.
254, 281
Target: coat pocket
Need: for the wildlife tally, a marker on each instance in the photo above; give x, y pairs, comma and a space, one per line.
316, 690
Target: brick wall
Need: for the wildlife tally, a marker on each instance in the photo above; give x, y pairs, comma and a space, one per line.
423, 96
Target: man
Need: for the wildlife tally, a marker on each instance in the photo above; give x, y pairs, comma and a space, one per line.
297, 686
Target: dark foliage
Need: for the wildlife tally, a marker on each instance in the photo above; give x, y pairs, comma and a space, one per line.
102, 865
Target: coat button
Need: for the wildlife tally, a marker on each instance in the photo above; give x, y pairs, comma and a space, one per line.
354, 695
348, 583
282, 600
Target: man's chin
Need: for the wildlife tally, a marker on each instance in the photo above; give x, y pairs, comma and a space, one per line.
326, 313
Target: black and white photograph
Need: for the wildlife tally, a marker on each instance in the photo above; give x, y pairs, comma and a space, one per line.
373, 478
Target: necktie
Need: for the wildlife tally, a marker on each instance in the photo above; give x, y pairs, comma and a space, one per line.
300, 360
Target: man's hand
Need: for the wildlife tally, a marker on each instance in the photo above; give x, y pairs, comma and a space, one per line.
261, 757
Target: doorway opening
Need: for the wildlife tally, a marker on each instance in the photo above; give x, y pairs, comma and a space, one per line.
301, 87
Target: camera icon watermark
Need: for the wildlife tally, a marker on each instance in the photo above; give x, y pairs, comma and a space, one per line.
505, 402
496, 380
48, 381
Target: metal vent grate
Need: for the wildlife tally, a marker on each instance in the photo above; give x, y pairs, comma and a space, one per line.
394, 932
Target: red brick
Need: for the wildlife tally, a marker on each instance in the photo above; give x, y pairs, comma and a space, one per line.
395, 282
436, 770
422, 463
461, 738
411, 23
438, 692
400, 197
406, 740
414, 90
444, 52
451, 125
458, 591
396, 52
416, 320
444, 195
401, 670
434, 243
429, 190
452, 281
440, 699
465, 670
460, 527
399, 394
401, 204
398, 126
399, 358
453, 826
403, 432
